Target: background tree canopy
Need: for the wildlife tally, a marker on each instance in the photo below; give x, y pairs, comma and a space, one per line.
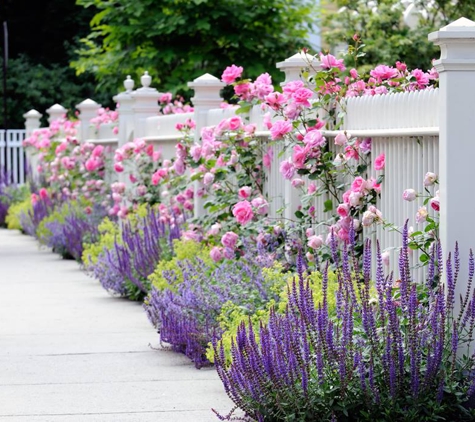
380, 24
179, 40
86, 49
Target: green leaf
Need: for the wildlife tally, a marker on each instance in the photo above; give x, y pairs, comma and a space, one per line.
328, 205
299, 214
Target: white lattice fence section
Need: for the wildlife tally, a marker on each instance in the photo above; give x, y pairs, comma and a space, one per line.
14, 162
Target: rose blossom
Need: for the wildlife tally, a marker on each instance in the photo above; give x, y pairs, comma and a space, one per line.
341, 139
229, 240
216, 254
231, 73
409, 195
385, 258
343, 210
280, 128
430, 179
208, 179
380, 162
287, 169
214, 230
245, 192
435, 203
243, 212
421, 214
315, 241
296, 183
261, 205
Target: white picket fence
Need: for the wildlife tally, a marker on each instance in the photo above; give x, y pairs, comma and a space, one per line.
15, 161
411, 128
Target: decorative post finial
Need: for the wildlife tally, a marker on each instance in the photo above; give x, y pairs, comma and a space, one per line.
129, 84
146, 80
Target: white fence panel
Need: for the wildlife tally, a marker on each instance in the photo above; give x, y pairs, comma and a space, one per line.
15, 164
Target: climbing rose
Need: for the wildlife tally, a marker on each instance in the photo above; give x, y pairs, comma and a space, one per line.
430, 179
380, 162
409, 195
229, 240
315, 242
280, 128
243, 212
231, 73
287, 169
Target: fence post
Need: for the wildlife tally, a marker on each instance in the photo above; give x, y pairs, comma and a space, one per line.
88, 110
55, 112
145, 104
207, 96
456, 68
125, 102
293, 68
32, 122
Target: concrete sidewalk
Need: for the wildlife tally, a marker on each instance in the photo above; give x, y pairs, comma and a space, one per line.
69, 352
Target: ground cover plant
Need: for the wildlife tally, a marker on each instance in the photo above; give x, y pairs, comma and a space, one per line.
128, 253
401, 356
186, 311
68, 227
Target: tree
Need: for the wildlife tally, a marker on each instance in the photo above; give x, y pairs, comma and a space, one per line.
179, 40
387, 33
38, 68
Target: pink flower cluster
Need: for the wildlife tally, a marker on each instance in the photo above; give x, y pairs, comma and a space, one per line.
176, 106
105, 116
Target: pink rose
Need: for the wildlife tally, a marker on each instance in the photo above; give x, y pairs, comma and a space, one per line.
312, 188
179, 167
245, 192
383, 72
229, 240
235, 123
341, 139
385, 258
118, 167
214, 230
43, 194
208, 179
430, 179
409, 195
97, 151
358, 185
297, 183
287, 169
301, 96
280, 128
268, 157
343, 210
315, 242
421, 215
231, 73
330, 62
243, 212
261, 205
216, 254
379, 162
435, 203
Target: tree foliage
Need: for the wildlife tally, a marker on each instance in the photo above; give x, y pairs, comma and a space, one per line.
179, 40
381, 26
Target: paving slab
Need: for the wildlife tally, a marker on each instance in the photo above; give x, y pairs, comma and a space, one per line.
70, 352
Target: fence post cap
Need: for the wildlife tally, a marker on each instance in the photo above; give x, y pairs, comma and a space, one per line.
462, 28
88, 104
301, 59
32, 114
206, 80
56, 108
